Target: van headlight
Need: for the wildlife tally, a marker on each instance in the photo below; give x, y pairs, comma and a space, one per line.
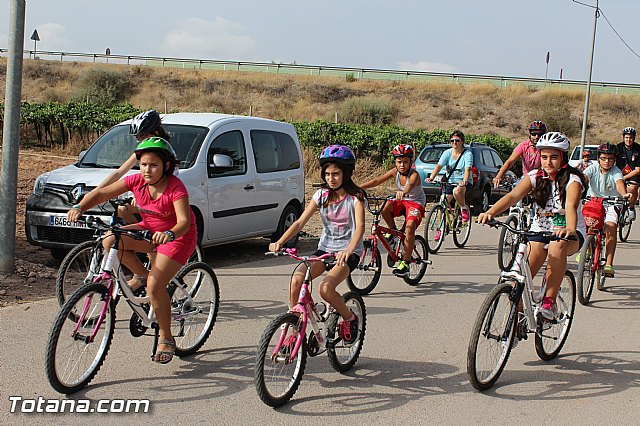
41, 181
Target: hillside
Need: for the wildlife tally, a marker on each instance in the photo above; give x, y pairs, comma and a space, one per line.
473, 108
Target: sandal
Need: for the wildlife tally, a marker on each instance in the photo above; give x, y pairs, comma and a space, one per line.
137, 284
164, 357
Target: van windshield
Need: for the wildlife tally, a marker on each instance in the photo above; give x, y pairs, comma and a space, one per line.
116, 145
432, 154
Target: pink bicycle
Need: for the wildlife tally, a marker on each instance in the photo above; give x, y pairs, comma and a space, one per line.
284, 345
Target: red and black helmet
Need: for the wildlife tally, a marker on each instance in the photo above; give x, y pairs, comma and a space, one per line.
607, 148
538, 125
403, 150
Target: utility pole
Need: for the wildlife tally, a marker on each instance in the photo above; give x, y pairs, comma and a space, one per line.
546, 72
11, 139
586, 98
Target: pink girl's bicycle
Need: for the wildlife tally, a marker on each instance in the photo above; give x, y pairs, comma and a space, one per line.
284, 345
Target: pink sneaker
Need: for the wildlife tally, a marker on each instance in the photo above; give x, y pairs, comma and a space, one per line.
465, 214
549, 309
438, 235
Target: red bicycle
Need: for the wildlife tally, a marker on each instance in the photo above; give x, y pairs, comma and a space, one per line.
593, 254
365, 277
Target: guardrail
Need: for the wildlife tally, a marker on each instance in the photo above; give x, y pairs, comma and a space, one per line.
331, 71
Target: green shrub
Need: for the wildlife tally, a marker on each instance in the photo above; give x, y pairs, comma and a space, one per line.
102, 86
367, 110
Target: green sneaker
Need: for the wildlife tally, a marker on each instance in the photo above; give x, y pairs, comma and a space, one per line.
578, 256
608, 271
402, 270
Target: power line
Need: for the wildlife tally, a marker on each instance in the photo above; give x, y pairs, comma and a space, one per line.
619, 36
601, 12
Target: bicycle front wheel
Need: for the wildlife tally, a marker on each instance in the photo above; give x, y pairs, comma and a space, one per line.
551, 335
194, 307
343, 356
586, 270
624, 227
72, 358
77, 268
277, 376
507, 245
434, 228
418, 264
461, 229
366, 276
491, 338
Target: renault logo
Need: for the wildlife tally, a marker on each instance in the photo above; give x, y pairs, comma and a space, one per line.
76, 193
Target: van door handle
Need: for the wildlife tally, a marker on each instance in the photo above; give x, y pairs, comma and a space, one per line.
248, 187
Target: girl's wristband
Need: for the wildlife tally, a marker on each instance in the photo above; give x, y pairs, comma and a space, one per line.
77, 207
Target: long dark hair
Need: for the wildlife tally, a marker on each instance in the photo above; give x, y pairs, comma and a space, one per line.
347, 183
542, 191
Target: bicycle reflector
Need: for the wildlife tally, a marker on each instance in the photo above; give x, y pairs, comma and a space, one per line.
594, 213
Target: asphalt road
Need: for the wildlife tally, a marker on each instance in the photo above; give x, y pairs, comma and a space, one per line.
412, 369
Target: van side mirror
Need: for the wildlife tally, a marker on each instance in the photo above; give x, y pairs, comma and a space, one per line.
81, 155
220, 163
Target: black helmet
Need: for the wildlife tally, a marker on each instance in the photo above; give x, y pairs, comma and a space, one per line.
607, 148
629, 131
144, 123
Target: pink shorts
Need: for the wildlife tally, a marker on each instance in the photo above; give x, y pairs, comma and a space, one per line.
181, 248
412, 210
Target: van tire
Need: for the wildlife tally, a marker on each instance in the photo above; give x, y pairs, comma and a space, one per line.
289, 215
482, 205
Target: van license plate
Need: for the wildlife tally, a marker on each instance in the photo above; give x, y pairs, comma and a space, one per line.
63, 222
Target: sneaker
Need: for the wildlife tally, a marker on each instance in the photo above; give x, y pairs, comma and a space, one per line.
465, 214
521, 330
348, 330
402, 270
632, 214
608, 271
389, 238
438, 236
549, 309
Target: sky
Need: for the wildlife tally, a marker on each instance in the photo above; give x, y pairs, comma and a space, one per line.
490, 37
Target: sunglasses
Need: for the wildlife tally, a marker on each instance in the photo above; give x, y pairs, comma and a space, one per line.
536, 134
607, 159
455, 140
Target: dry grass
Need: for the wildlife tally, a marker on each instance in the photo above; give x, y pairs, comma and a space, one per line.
474, 108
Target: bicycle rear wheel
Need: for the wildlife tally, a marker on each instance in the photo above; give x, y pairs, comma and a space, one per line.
461, 229
194, 307
507, 245
71, 360
343, 356
551, 335
491, 338
586, 270
365, 277
77, 268
418, 265
624, 227
277, 377
434, 228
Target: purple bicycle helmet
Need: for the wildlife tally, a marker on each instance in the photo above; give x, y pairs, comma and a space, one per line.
338, 154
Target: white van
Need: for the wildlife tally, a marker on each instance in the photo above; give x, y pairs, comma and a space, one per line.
245, 178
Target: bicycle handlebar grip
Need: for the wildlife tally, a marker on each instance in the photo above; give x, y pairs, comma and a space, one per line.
292, 250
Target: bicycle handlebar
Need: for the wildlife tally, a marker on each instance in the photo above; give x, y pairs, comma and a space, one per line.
136, 234
293, 253
611, 200
497, 223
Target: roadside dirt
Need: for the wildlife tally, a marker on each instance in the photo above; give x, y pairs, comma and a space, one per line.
36, 269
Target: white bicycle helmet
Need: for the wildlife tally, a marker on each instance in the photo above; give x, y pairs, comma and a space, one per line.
554, 140
145, 123
629, 131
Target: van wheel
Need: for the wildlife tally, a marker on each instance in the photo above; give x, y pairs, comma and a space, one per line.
483, 203
59, 254
289, 215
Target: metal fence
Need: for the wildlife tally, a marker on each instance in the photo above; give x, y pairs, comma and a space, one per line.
330, 71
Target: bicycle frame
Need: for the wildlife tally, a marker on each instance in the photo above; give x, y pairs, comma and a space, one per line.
306, 310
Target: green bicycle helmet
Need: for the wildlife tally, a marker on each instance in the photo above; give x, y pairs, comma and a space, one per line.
155, 143
160, 147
